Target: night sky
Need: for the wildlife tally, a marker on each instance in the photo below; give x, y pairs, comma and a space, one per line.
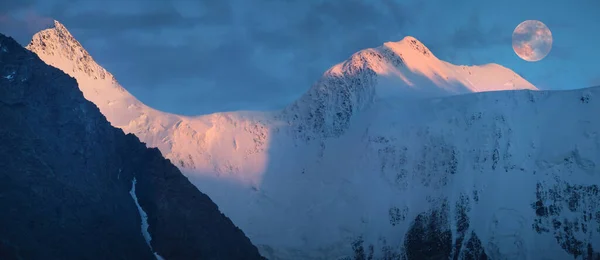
204, 56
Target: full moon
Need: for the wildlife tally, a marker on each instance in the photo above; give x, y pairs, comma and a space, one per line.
532, 40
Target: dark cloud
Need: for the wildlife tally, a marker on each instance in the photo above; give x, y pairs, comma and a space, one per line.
21, 24
227, 63
347, 13
215, 12
8, 6
474, 35
106, 22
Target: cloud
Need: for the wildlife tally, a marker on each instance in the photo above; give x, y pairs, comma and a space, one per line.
473, 35
268, 50
9, 6
247, 54
106, 22
249, 51
561, 52
22, 23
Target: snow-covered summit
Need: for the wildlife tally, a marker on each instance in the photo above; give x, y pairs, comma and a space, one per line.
58, 41
57, 47
406, 69
192, 143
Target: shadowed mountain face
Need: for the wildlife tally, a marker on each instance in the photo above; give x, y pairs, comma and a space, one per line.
71, 183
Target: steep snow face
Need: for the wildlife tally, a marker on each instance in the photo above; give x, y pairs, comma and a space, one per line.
404, 69
517, 169
377, 159
512, 174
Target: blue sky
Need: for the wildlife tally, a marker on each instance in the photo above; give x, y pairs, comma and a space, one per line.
197, 57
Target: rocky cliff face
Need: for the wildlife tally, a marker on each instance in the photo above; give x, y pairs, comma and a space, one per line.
71, 182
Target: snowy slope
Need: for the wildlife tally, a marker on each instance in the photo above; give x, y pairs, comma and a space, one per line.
404, 69
376, 145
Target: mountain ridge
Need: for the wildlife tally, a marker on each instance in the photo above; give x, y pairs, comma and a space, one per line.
366, 161
411, 70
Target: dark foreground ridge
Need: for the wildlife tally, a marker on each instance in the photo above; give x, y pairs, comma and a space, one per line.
66, 176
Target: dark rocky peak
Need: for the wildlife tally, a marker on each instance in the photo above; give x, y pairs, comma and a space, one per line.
71, 183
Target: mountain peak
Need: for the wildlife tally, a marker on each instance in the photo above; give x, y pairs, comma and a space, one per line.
405, 69
62, 30
409, 38
56, 31
410, 42
57, 34
60, 26
56, 45
407, 52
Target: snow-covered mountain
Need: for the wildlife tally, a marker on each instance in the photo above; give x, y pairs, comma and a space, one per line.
396, 70
382, 156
